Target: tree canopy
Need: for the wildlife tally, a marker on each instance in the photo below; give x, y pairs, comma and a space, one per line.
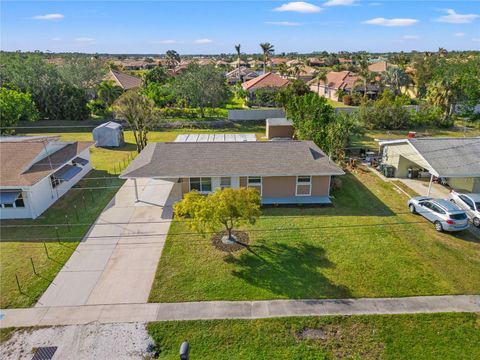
227, 208
15, 106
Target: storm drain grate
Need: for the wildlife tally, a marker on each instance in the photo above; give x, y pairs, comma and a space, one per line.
44, 353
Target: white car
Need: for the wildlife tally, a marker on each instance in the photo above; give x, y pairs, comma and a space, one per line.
468, 202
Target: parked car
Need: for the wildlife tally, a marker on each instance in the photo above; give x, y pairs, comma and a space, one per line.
468, 202
445, 215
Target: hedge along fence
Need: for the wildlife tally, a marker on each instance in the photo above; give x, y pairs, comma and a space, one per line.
191, 113
255, 114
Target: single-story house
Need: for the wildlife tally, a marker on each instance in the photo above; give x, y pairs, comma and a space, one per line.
37, 171
125, 81
240, 74
455, 159
379, 66
267, 80
284, 172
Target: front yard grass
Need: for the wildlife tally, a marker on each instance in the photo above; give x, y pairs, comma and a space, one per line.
420, 336
368, 245
25, 241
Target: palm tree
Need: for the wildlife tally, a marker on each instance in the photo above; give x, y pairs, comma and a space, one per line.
396, 78
365, 73
237, 49
108, 92
320, 76
267, 50
173, 58
282, 69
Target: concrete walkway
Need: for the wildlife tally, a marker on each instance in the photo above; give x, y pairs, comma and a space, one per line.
125, 313
116, 261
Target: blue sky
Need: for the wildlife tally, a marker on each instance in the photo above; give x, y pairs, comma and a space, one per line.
210, 27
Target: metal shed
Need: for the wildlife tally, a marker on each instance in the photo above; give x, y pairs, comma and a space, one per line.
109, 134
280, 128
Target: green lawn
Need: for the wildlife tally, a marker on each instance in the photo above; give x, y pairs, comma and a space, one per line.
368, 245
421, 336
25, 241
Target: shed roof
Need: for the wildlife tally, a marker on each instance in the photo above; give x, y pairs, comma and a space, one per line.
260, 158
448, 157
279, 122
110, 125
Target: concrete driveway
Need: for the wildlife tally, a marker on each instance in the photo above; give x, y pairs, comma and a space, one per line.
117, 260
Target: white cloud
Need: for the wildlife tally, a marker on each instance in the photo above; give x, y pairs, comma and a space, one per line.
339, 3
459, 34
203, 41
410, 37
476, 39
299, 6
454, 18
374, 4
391, 22
168, 41
49, 17
85, 41
282, 23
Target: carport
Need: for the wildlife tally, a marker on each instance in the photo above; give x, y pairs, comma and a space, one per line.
453, 159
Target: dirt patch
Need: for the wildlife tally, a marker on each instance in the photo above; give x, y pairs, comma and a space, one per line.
242, 241
345, 341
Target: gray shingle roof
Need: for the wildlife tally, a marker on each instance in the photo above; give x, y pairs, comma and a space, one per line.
450, 157
261, 158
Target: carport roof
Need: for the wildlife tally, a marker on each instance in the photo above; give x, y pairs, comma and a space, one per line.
260, 158
448, 157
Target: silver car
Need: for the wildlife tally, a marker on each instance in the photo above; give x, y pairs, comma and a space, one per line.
442, 213
468, 202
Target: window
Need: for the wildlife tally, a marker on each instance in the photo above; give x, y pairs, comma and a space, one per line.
303, 186
225, 182
467, 201
54, 181
254, 180
201, 184
19, 203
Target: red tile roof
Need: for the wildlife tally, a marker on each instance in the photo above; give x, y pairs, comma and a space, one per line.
266, 80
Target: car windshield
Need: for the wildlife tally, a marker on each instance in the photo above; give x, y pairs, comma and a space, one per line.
460, 216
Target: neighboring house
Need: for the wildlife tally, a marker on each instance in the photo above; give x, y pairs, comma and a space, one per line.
284, 172
338, 81
37, 171
125, 81
109, 134
455, 159
379, 66
270, 80
245, 75
307, 73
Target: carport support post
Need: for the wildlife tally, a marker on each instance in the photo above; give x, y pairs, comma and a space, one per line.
430, 185
136, 190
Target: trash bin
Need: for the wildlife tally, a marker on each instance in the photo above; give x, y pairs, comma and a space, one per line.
389, 171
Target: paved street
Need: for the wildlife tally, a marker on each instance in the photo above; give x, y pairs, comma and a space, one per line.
124, 313
117, 260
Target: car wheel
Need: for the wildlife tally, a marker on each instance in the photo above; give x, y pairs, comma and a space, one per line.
438, 226
476, 222
412, 209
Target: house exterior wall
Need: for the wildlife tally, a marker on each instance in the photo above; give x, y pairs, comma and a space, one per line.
42, 195
275, 186
279, 131
402, 156
465, 183
324, 91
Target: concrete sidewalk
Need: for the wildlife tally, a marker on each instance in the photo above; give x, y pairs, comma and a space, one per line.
116, 261
125, 313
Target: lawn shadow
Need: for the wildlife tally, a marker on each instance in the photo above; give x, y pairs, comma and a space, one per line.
288, 271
